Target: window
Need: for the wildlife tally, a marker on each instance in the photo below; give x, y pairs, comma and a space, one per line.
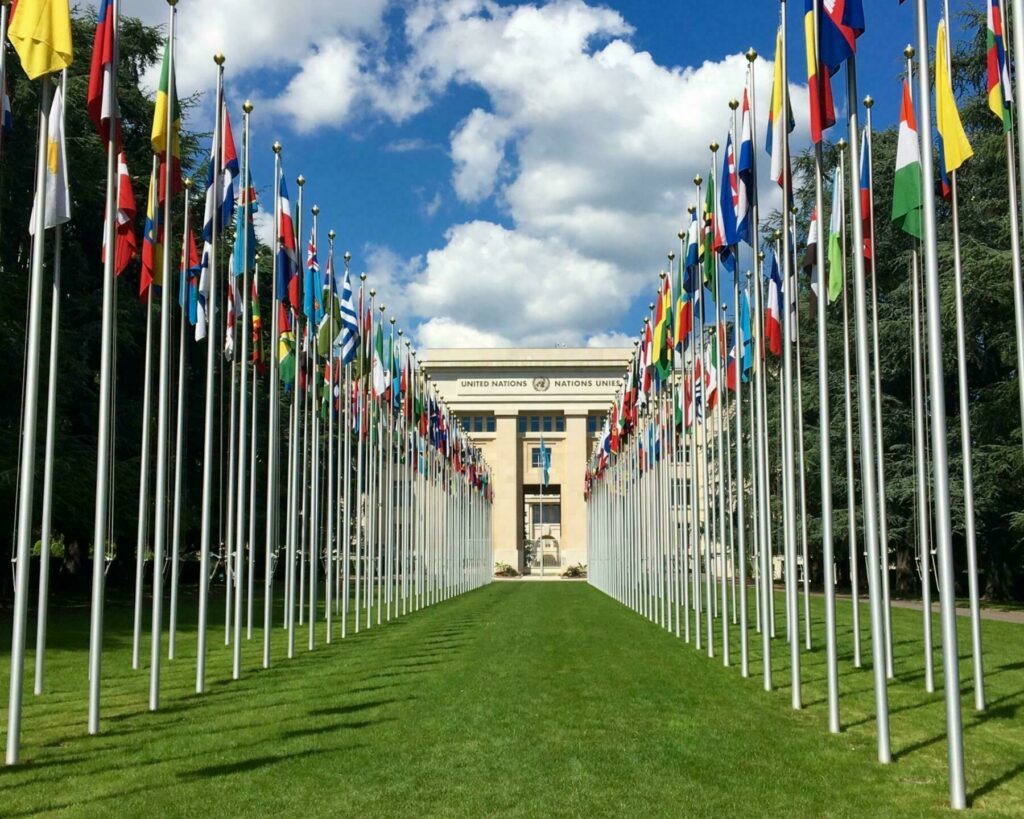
591, 425
552, 512
536, 461
522, 424
559, 423
534, 423
491, 425
547, 423
478, 424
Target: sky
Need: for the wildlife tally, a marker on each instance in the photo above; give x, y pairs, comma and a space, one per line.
508, 174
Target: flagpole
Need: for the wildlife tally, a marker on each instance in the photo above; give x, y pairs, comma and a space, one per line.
1013, 180
28, 433
211, 366
243, 425
795, 310
331, 501
164, 388
298, 461
359, 493
788, 469
273, 428
179, 444
883, 526
940, 465
313, 520
825, 430
5, 7
256, 341
51, 412
966, 450
143, 507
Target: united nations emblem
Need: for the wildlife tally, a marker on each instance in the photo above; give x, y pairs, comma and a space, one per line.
541, 384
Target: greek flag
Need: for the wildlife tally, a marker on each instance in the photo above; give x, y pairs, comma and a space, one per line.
349, 323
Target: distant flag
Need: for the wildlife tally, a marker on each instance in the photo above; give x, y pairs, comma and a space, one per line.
210, 214
955, 147
229, 170
745, 176
693, 253
710, 232
380, 378
867, 207
907, 198
167, 98
349, 323
748, 336
312, 306
152, 256
190, 268
100, 100
780, 116
58, 197
545, 463
840, 23
245, 261
819, 83
728, 198
285, 346
773, 309
258, 358
1000, 93
810, 261
232, 310
836, 264
41, 35
124, 228
287, 287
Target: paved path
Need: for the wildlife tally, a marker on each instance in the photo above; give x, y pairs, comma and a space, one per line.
963, 611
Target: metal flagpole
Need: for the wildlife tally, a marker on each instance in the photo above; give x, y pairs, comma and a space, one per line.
164, 388
142, 531
851, 517
921, 471
313, 521
251, 569
1016, 181
740, 484
940, 464
243, 425
864, 412
389, 497
825, 434
298, 458
179, 442
883, 525
51, 415
346, 465
787, 462
330, 502
211, 366
795, 314
273, 427
104, 439
761, 466
966, 454
379, 498
28, 434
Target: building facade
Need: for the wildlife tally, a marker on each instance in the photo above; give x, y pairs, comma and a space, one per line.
515, 404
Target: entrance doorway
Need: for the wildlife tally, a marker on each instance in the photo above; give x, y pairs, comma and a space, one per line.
542, 524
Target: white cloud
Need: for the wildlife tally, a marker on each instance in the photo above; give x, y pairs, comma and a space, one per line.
478, 149
610, 340
332, 68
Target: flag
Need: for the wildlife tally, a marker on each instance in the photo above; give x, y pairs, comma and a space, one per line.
728, 198
840, 23
907, 198
711, 370
745, 176
189, 279
124, 223
867, 207
229, 171
258, 359
167, 102
380, 378
349, 323
152, 255
245, 229
710, 233
777, 113
819, 83
100, 100
57, 208
285, 347
810, 262
41, 34
312, 307
836, 263
955, 149
748, 336
287, 287
545, 463
773, 309
1000, 93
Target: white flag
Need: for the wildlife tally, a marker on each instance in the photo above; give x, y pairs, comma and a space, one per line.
58, 196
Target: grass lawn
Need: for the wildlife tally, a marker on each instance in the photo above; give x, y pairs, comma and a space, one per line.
532, 699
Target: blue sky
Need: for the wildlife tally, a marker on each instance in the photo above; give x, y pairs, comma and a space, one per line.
508, 174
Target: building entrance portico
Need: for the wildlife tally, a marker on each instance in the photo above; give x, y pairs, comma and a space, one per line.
510, 402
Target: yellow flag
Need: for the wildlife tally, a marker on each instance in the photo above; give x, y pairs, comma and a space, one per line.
956, 150
41, 34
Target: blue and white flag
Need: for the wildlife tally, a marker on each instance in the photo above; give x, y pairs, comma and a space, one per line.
349, 323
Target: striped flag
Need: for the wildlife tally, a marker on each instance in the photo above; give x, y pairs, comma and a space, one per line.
907, 198
57, 210
819, 83
349, 323
100, 100
152, 256
1000, 94
124, 227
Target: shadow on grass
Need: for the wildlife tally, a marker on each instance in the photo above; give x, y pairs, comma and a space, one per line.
1003, 779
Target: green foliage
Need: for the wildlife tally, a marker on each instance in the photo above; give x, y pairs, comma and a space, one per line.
995, 413
577, 571
504, 570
